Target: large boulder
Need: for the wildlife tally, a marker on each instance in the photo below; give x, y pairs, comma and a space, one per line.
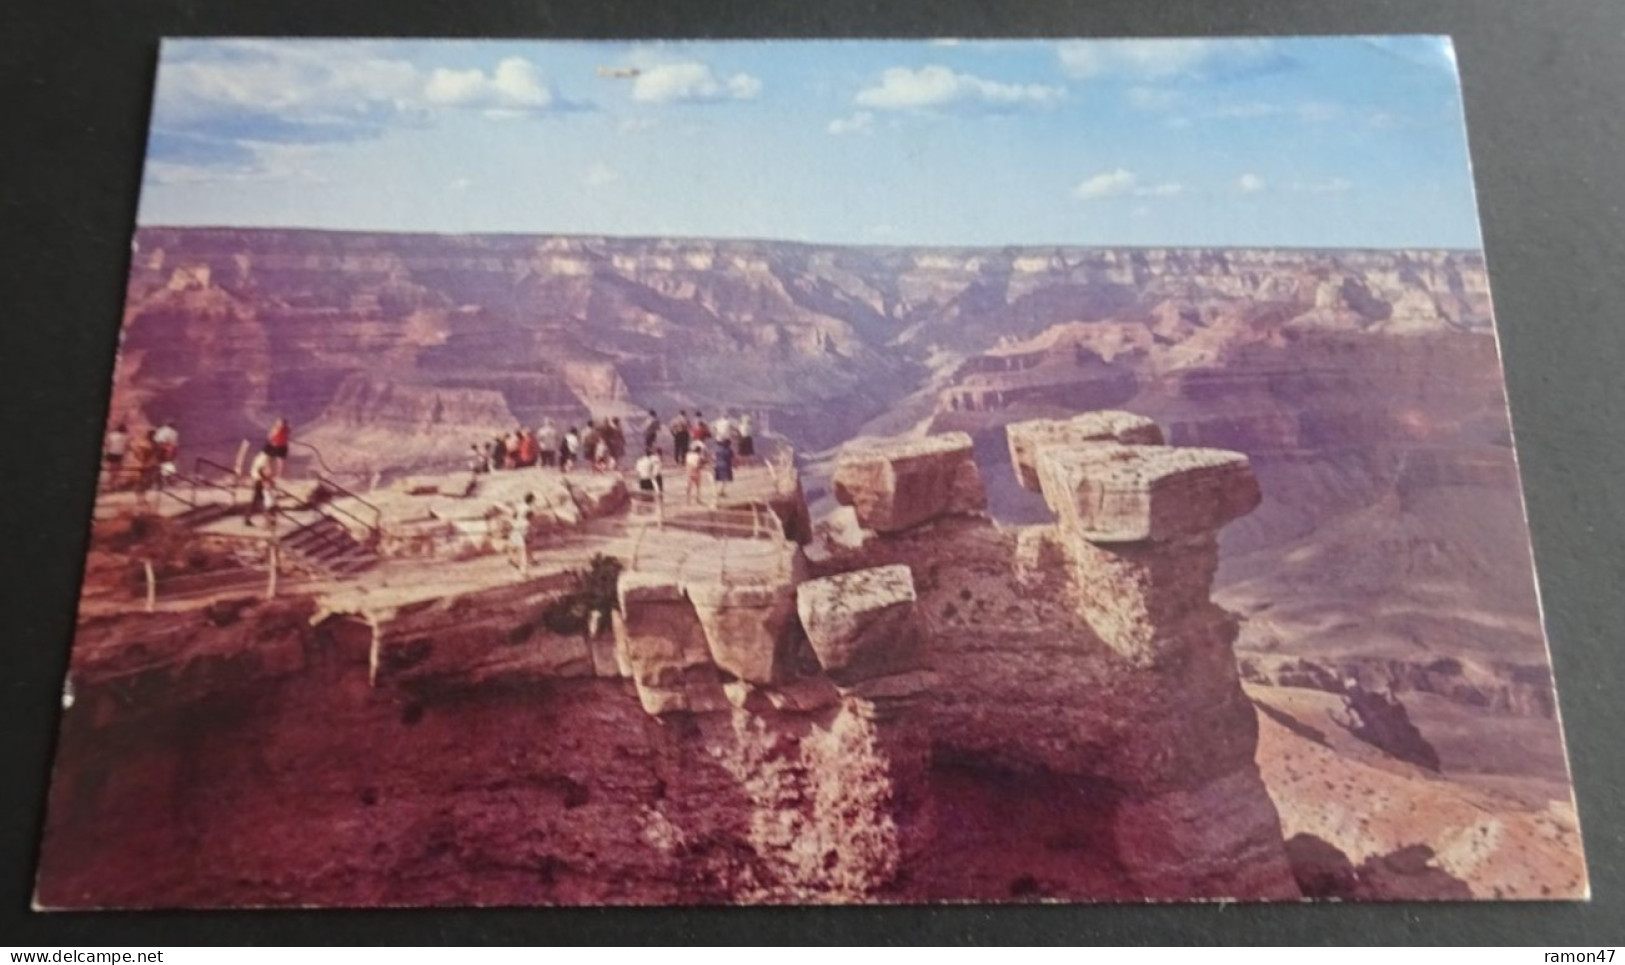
1125, 494
661, 643
1106, 425
861, 624
747, 626
897, 486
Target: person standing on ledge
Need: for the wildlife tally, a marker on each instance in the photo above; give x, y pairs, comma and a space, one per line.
118, 442
694, 462
679, 436
648, 468
263, 472
747, 442
276, 444
724, 468
167, 439
651, 431
519, 535
547, 443
569, 449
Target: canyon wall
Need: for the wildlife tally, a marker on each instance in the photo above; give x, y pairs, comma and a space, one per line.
947, 710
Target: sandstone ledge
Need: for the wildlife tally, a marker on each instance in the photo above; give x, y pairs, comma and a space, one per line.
896, 486
1027, 439
1123, 494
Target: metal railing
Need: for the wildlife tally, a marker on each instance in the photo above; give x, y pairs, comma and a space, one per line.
373, 527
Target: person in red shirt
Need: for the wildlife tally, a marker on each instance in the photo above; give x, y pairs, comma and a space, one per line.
276, 443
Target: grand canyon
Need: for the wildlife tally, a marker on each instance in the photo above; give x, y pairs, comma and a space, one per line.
1065, 574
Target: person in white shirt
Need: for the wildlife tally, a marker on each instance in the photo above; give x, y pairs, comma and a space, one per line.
747, 443
694, 462
167, 435
263, 472
168, 442
117, 444
547, 441
722, 428
648, 469
519, 535
570, 453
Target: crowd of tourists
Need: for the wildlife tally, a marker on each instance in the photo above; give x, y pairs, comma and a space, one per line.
690, 443
145, 460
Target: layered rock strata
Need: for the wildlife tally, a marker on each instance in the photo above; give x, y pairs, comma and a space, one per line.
1086, 655
946, 709
895, 487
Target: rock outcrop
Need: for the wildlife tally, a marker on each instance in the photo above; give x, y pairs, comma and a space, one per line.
862, 624
943, 709
1025, 438
1087, 654
895, 487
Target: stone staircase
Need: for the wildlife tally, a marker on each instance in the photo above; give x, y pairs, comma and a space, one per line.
323, 542
205, 513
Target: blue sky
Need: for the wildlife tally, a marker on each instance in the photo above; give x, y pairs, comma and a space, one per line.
1345, 142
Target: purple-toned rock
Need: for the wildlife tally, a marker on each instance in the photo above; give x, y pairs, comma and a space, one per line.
660, 641
861, 624
1106, 425
1126, 494
896, 486
745, 625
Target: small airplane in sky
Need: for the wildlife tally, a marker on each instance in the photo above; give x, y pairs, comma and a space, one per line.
619, 73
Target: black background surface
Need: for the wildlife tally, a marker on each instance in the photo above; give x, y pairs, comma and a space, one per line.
1543, 85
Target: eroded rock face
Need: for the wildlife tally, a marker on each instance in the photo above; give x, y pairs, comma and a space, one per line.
748, 626
664, 646
1025, 438
949, 711
1087, 654
861, 624
1126, 494
896, 487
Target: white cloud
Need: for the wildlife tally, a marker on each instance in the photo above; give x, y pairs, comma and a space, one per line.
460, 184
1250, 183
901, 88
1162, 59
691, 81
259, 163
1153, 98
305, 82
514, 87
1167, 189
1326, 186
322, 92
447, 86
600, 174
862, 122
1107, 184
1121, 183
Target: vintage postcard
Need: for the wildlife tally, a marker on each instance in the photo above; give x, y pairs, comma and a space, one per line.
568, 473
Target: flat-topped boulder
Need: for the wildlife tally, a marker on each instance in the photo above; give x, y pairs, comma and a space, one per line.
899, 485
1125, 494
861, 623
1107, 425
